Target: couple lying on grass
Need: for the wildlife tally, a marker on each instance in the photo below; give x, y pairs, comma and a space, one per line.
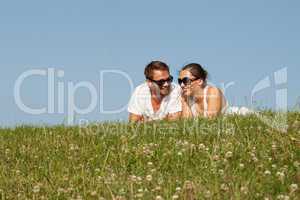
158, 98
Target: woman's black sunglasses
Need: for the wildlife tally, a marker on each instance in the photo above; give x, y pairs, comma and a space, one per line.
161, 82
186, 80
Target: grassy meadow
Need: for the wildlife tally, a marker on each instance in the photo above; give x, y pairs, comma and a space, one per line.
237, 157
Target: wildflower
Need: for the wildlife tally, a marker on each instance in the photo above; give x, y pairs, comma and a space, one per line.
140, 190
93, 193
157, 188
178, 189
228, 154
267, 172
201, 146
241, 165
283, 197
149, 178
139, 195
60, 190
7, 151
79, 197
215, 157
270, 159
139, 178
255, 159
36, 189
160, 181
244, 190
224, 187
72, 147
221, 171
149, 164
119, 198
207, 194
296, 164
293, 187
175, 196
280, 175
159, 198
133, 178
97, 170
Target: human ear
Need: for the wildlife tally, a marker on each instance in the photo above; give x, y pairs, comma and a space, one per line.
200, 82
149, 83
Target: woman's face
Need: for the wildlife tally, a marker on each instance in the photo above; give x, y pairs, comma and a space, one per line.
193, 85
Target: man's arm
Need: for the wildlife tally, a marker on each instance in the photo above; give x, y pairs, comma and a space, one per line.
173, 116
135, 118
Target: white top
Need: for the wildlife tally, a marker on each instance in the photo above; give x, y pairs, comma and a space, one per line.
140, 103
205, 105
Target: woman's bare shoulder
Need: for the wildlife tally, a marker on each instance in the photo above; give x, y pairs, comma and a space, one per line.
214, 91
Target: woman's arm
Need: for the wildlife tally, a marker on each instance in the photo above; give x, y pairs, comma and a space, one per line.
186, 110
214, 102
173, 116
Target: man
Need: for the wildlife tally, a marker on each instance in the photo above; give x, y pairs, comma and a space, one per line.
156, 99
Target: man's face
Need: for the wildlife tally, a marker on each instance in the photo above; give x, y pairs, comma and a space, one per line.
160, 75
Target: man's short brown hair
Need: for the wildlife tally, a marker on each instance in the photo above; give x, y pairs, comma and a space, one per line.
155, 65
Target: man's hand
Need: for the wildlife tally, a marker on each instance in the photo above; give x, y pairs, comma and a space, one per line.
135, 118
174, 116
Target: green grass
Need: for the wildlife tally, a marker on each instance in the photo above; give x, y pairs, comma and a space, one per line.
226, 158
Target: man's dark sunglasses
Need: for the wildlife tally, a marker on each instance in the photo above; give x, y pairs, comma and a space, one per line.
186, 80
161, 82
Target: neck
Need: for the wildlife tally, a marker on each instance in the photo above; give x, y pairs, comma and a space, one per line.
157, 97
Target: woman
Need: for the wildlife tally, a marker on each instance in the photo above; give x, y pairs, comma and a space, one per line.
198, 98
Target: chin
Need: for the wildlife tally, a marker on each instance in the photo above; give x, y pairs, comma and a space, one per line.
189, 93
165, 92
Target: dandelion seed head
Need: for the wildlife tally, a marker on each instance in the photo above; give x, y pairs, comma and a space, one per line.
158, 198
241, 165
93, 193
149, 178
36, 189
293, 188
228, 154
267, 172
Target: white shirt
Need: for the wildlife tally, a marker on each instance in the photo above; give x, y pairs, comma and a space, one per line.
140, 103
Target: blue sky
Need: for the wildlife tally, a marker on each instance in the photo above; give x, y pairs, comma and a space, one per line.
239, 41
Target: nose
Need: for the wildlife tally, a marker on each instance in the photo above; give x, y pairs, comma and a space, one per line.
182, 85
166, 83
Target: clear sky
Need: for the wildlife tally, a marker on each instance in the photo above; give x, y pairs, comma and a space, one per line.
236, 41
